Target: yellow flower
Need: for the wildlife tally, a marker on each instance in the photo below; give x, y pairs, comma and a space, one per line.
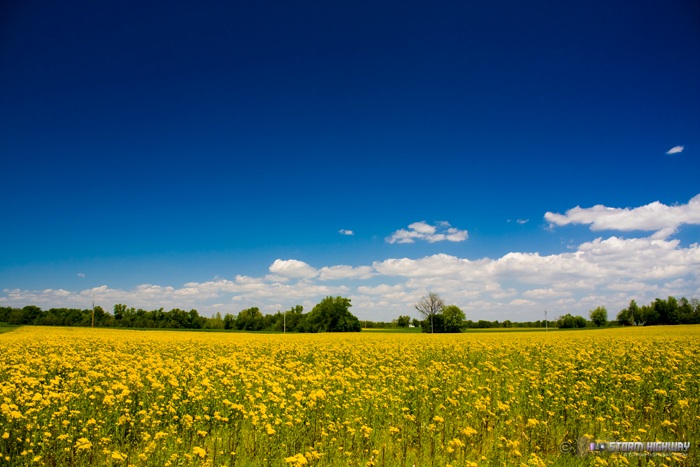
297, 459
83, 444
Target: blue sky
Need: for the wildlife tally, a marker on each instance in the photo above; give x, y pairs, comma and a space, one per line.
223, 155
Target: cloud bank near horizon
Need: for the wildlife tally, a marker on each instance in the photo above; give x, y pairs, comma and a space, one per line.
518, 285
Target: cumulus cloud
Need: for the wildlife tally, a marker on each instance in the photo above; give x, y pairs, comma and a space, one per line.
292, 269
441, 231
346, 232
675, 150
339, 272
608, 271
518, 285
656, 217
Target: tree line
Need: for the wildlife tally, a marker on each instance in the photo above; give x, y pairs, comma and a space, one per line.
659, 312
332, 314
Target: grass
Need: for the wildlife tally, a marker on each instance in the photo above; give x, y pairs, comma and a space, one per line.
4, 327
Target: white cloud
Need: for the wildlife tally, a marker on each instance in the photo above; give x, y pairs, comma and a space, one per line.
81, 274
381, 289
430, 266
517, 286
607, 271
675, 150
522, 221
547, 293
345, 272
346, 232
656, 216
292, 269
442, 231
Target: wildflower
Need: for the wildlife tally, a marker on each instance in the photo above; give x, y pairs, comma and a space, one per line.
297, 459
83, 444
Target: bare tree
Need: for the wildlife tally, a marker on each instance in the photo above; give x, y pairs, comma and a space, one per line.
430, 306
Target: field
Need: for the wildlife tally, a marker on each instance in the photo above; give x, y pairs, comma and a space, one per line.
81, 397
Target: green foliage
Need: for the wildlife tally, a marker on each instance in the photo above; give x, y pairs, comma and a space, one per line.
599, 316
250, 319
624, 318
433, 323
454, 319
403, 321
660, 311
331, 315
449, 319
570, 321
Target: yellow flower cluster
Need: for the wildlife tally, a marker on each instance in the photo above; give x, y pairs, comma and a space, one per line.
120, 397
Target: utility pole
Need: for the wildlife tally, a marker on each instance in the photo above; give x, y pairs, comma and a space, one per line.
93, 310
284, 320
545, 320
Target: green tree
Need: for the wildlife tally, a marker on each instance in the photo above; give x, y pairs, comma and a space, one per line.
119, 311
650, 316
292, 319
229, 321
630, 315
570, 321
624, 317
332, 314
454, 319
429, 306
5, 313
636, 312
403, 321
599, 316
249, 319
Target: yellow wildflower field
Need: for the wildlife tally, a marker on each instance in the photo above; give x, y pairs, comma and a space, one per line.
81, 397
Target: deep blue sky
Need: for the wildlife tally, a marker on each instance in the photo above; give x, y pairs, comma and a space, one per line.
173, 142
